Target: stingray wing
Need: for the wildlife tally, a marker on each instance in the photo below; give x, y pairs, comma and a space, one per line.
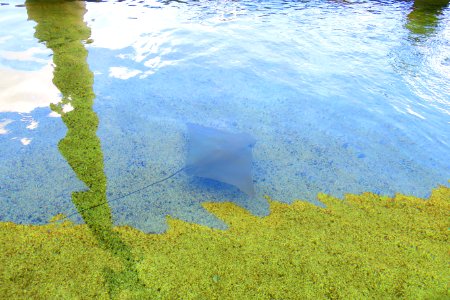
221, 156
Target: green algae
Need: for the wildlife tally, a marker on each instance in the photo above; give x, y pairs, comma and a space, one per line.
364, 246
61, 27
424, 17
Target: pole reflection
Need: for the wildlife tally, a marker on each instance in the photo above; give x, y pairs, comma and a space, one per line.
424, 18
60, 25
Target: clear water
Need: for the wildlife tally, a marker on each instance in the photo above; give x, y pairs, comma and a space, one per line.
341, 97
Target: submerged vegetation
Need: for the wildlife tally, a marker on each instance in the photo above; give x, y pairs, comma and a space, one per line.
424, 16
61, 27
365, 246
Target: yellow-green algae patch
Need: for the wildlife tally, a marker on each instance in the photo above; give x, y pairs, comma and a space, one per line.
60, 25
425, 16
365, 246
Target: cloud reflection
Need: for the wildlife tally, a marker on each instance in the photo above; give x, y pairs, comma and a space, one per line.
3, 125
123, 72
23, 91
25, 141
27, 55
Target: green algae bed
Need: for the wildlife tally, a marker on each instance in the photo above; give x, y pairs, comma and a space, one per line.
364, 246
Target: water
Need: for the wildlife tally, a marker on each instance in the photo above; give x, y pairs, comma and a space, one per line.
341, 97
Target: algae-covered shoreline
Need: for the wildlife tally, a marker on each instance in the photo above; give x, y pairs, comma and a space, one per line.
365, 246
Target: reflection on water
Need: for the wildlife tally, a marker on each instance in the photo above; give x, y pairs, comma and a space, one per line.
425, 16
26, 80
422, 60
61, 26
23, 91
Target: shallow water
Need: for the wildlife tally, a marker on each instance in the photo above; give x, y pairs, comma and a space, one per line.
341, 97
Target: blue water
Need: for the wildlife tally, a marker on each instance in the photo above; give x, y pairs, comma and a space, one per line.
341, 97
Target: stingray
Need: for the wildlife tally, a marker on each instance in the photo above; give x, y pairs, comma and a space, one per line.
212, 154
220, 155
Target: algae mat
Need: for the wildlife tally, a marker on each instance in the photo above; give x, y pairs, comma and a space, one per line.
365, 246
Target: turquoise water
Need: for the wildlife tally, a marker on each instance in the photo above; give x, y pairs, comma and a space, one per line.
340, 96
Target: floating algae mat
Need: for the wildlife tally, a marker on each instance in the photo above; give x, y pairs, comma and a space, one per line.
366, 246
141, 143
97, 96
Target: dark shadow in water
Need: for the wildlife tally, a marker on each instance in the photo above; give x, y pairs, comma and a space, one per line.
424, 17
61, 27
